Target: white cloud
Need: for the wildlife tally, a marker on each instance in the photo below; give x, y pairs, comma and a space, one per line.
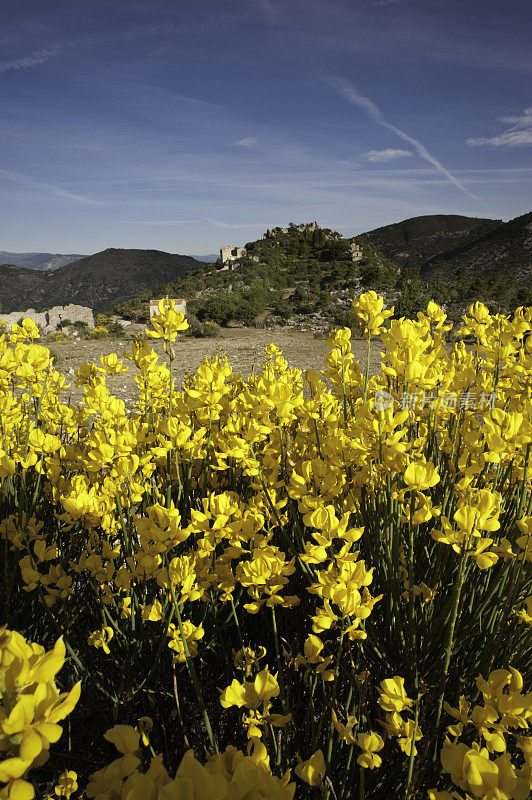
374, 156
249, 141
519, 133
349, 93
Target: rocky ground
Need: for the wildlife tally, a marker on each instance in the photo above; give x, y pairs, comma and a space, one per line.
244, 348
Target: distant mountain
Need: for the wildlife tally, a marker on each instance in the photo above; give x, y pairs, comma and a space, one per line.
496, 264
210, 259
39, 261
99, 281
413, 241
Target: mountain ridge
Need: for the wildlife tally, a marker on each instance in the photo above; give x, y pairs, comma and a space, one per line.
39, 261
412, 241
100, 281
490, 264
300, 269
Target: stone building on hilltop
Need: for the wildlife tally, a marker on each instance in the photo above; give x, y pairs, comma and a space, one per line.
230, 256
271, 233
356, 251
230, 253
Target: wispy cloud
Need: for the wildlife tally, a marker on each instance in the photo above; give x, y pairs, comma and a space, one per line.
390, 154
31, 60
379, 3
49, 188
249, 141
217, 223
349, 93
519, 132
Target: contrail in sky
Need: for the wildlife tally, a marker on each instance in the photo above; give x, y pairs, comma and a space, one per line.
349, 93
26, 180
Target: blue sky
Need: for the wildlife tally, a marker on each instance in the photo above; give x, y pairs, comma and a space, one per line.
188, 125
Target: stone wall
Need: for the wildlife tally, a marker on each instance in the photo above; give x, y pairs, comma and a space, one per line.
50, 320
230, 253
356, 251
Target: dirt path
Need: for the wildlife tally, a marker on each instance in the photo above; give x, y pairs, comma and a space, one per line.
244, 348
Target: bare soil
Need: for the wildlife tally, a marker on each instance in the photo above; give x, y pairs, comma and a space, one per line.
244, 348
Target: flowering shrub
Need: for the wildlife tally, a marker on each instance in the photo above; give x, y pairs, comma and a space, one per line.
228, 774
30, 709
99, 332
309, 572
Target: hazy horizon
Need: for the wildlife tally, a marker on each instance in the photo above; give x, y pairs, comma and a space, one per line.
196, 254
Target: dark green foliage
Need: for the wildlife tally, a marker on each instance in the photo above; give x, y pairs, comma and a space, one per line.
346, 318
202, 330
496, 266
220, 309
413, 298
413, 241
378, 272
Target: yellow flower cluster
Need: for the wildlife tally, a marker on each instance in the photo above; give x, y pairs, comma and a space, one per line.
256, 698
31, 708
283, 544
231, 774
488, 767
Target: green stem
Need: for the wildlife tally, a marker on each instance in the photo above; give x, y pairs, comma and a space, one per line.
411, 759
279, 662
192, 671
448, 647
335, 686
366, 376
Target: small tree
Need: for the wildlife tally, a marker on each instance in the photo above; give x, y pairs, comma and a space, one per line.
220, 308
414, 297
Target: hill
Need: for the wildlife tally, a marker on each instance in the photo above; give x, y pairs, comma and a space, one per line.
302, 271
38, 260
17, 283
99, 281
305, 273
411, 242
495, 265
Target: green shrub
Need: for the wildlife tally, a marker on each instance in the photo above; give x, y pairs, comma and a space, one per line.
219, 308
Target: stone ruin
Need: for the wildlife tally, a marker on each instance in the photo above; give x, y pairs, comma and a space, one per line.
271, 233
49, 321
230, 257
229, 254
356, 251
